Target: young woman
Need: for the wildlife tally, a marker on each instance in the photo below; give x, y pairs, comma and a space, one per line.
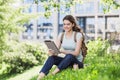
72, 49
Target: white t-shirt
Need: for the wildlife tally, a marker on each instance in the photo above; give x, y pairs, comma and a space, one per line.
70, 44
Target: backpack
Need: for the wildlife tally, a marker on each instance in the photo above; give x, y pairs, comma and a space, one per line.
84, 47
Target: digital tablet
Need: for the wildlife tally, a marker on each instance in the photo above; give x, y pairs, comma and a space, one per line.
51, 45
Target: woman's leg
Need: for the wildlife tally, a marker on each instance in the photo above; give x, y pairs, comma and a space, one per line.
77, 65
41, 75
69, 60
52, 60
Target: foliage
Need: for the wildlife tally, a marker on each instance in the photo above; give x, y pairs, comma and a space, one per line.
96, 67
56, 4
105, 68
51, 6
110, 4
98, 47
22, 56
11, 20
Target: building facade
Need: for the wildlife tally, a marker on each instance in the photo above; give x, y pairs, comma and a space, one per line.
89, 15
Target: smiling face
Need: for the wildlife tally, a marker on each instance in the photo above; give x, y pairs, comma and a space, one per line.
67, 25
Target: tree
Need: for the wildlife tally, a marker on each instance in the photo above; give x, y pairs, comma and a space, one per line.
50, 4
110, 4
11, 20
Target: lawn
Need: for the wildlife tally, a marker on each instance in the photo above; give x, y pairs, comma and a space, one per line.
96, 68
26, 75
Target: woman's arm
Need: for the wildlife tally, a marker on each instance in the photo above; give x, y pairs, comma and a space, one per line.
58, 43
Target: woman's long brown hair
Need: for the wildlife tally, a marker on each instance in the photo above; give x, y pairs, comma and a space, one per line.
73, 21
77, 29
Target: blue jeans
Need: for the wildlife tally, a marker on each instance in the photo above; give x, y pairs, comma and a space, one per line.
61, 63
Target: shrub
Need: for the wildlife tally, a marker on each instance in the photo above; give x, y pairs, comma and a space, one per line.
39, 51
22, 56
18, 62
98, 47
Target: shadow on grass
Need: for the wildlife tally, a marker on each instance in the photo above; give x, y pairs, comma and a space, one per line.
7, 76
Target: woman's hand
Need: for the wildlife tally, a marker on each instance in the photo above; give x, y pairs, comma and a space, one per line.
63, 51
51, 52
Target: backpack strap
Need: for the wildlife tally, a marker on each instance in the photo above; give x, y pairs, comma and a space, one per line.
75, 36
82, 44
61, 39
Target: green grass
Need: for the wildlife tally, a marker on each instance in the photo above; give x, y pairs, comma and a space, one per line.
105, 68
98, 68
26, 75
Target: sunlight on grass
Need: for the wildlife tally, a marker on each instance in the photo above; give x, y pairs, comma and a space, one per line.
27, 75
105, 68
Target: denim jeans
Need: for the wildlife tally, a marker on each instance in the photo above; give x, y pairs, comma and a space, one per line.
61, 63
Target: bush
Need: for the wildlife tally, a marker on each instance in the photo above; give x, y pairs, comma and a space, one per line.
18, 62
22, 56
39, 51
98, 47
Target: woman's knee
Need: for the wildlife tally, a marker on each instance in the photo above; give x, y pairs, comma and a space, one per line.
51, 58
69, 56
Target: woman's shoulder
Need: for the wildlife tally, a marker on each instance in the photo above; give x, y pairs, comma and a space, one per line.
78, 34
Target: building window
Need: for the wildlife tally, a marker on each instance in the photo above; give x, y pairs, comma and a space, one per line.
85, 8
28, 1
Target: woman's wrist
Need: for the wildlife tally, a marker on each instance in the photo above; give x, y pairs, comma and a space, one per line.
62, 51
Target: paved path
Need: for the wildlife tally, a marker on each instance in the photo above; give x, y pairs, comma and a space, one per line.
27, 75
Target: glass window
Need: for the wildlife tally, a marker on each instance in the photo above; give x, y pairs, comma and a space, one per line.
101, 24
90, 28
87, 7
100, 8
63, 12
45, 27
28, 1
40, 8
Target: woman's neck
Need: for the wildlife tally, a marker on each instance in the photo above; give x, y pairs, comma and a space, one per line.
69, 34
